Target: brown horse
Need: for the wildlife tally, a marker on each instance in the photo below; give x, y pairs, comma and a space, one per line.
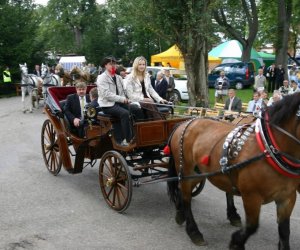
75, 75
259, 162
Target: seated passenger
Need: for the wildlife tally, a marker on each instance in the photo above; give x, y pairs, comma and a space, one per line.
140, 91
74, 109
255, 105
233, 103
94, 98
113, 101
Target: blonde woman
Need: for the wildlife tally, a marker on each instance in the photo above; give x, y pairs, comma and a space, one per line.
140, 91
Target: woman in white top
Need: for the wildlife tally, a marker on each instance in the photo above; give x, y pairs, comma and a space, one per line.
140, 91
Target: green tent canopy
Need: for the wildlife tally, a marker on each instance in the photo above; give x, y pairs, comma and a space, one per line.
233, 49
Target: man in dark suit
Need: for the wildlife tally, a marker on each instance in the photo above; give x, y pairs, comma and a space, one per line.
161, 85
233, 103
74, 109
171, 84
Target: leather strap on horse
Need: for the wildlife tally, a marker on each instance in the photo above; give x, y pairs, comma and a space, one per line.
207, 175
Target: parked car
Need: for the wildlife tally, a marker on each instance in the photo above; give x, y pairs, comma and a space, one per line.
180, 92
240, 74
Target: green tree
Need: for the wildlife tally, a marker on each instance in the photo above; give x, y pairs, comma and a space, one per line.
237, 24
17, 33
185, 23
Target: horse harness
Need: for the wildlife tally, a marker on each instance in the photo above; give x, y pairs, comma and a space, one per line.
233, 144
28, 77
282, 162
48, 79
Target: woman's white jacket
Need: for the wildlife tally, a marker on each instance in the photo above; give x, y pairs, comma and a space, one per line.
134, 89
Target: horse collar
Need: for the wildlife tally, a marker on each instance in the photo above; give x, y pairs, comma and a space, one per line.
267, 144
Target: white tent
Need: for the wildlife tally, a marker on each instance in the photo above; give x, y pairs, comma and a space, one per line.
69, 61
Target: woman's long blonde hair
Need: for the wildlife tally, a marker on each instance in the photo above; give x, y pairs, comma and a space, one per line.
135, 71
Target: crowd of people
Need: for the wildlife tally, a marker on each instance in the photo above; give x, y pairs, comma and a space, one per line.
268, 80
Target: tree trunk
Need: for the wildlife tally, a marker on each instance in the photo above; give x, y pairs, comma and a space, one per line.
246, 53
284, 19
196, 65
78, 37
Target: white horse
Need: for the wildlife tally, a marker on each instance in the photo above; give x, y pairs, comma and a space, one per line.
49, 79
29, 84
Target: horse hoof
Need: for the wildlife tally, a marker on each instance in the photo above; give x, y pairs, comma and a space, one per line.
179, 218
199, 241
235, 247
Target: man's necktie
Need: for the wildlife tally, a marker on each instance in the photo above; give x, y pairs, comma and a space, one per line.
254, 107
82, 106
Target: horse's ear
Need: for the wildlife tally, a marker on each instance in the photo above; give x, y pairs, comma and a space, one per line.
25, 64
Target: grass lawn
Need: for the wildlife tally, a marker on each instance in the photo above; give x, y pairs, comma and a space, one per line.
245, 95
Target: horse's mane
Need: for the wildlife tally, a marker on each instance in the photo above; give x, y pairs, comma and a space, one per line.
284, 109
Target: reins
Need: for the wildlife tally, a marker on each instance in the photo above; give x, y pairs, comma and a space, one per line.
207, 175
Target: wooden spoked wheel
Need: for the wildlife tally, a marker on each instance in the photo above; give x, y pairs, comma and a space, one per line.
198, 188
115, 181
50, 148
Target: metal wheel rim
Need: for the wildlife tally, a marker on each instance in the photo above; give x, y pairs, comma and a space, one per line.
239, 85
198, 188
50, 148
115, 181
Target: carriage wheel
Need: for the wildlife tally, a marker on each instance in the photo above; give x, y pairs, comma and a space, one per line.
50, 148
115, 181
198, 188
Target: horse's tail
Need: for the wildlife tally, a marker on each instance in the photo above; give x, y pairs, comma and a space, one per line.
173, 190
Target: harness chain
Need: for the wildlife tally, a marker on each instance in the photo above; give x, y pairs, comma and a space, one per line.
234, 143
181, 156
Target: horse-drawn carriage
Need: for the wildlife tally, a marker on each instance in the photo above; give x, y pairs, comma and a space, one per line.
120, 167
219, 149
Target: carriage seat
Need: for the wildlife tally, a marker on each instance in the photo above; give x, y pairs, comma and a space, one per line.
62, 105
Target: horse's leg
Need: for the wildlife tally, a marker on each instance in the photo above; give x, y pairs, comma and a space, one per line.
23, 99
180, 217
232, 215
175, 193
191, 226
252, 205
30, 93
284, 211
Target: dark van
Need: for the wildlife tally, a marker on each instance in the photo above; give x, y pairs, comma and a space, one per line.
240, 74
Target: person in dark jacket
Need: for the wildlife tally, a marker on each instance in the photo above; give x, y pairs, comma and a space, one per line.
233, 103
75, 107
161, 85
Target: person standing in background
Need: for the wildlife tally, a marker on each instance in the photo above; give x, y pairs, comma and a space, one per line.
260, 81
279, 76
7, 86
171, 84
6, 75
271, 78
37, 70
221, 86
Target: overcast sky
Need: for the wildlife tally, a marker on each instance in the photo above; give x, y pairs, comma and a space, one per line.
44, 2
